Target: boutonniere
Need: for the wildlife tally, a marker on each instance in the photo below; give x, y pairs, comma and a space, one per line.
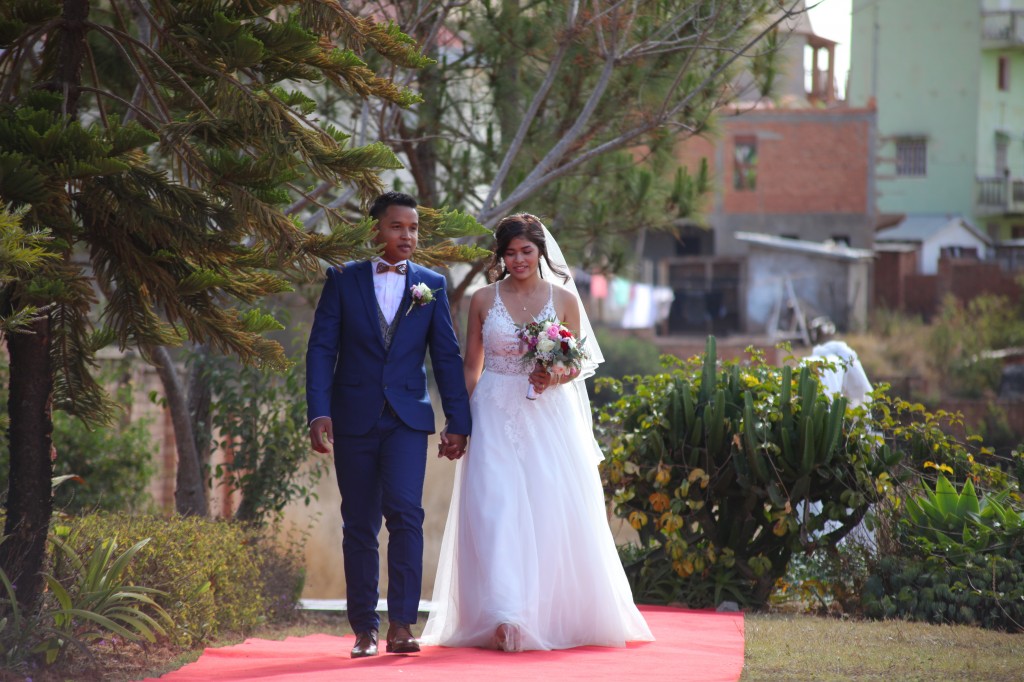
421, 295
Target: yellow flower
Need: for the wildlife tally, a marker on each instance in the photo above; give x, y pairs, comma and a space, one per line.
939, 467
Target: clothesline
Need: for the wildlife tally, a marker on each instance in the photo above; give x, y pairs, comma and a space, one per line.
627, 304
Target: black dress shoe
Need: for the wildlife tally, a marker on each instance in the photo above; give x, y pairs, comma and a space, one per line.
366, 644
400, 639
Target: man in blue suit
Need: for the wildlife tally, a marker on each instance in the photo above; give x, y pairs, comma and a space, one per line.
366, 394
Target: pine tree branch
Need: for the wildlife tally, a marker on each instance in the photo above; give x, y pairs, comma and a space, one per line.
144, 75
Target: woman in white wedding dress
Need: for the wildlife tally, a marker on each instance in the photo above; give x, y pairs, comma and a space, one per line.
528, 560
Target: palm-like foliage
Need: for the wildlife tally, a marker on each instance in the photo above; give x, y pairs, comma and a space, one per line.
161, 144
90, 599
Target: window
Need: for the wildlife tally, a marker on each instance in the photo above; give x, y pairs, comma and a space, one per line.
744, 175
912, 157
1002, 149
1004, 74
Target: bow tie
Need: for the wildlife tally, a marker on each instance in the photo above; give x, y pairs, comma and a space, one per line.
384, 267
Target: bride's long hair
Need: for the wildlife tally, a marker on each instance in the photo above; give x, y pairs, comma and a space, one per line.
526, 226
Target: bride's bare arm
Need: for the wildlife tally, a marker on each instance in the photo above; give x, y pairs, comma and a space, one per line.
569, 310
473, 358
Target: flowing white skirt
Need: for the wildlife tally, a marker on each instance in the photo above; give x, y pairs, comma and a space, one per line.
527, 540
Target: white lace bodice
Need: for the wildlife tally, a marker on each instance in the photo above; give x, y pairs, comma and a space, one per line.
503, 352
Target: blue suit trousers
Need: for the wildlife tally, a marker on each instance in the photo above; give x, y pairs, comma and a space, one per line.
380, 474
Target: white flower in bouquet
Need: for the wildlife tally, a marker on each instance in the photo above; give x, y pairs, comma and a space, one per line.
549, 344
545, 344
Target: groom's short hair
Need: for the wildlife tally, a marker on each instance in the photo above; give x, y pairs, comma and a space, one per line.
381, 203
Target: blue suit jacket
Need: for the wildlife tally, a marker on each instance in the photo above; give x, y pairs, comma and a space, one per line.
349, 374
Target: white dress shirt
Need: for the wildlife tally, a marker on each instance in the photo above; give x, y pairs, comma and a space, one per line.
389, 288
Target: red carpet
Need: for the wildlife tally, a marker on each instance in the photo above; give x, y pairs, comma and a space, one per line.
701, 646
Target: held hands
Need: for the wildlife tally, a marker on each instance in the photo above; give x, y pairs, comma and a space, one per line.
452, 445
321, 434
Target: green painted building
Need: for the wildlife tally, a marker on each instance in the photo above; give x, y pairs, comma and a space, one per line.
947, 78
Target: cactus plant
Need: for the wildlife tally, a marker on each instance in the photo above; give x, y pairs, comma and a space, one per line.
726, 471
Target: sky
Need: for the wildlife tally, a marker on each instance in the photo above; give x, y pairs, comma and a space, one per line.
831, 19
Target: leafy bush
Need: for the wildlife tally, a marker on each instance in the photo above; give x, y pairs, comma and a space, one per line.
87, 599
623, 356
983, 590
957, 524
960, 560
830, 580
112, 465
211, 571
719, 472
261, 419
962, 332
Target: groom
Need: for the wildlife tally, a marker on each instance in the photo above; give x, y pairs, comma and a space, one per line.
366, 394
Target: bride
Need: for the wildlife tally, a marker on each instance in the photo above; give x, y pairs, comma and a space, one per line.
528, 560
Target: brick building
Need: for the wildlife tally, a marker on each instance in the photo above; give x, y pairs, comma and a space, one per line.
803, 173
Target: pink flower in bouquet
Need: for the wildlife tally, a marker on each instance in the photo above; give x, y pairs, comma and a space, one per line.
551, 345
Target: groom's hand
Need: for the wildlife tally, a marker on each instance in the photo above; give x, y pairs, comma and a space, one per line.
321, 434
456, 446
452, 445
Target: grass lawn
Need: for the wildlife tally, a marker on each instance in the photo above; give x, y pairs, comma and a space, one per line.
799, 647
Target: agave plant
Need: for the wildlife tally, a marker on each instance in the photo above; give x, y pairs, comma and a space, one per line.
961, 522
89, 600
93, 599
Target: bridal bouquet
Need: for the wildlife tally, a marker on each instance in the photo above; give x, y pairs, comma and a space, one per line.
551, 345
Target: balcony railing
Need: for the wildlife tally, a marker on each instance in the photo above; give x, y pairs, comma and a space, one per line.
1004, 26
1000, 195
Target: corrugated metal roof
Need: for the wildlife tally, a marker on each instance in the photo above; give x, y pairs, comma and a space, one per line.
918, 227
829, 249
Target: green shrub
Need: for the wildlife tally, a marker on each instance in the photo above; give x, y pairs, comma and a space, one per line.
112, 464
982, 590
623, 356
829, 580
718, 470
960, 334
211, 571
959, 559
260, 416
88, 598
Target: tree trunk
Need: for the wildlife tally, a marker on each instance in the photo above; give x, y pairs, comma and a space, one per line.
29, 494
190, 492
200, 398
